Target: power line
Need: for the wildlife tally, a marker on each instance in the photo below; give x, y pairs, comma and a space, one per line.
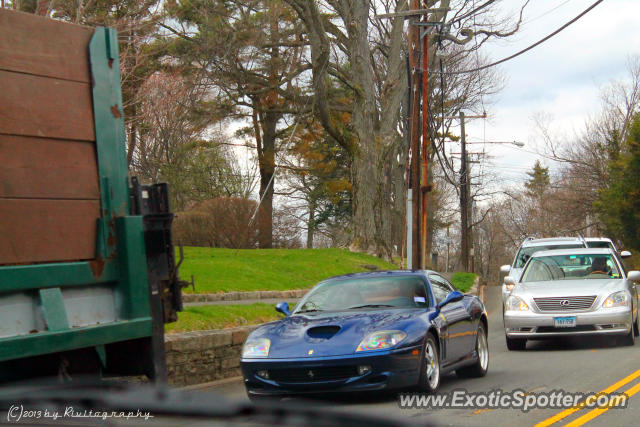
545, 13
539, 42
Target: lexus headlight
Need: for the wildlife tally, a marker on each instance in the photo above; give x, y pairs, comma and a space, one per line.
617, 299
256, 347
381, 340
515, 303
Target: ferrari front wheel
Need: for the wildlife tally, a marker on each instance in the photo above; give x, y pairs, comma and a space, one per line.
430, 370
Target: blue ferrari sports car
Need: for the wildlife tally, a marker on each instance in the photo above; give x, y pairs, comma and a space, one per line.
369, 331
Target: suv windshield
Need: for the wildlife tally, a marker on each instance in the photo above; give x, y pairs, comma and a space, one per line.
365, 293
568, 267
525, 253
600, 244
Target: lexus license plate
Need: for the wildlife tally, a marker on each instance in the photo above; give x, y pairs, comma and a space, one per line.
564, 322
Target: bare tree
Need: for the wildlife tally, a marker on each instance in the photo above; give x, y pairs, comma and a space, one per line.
176, 144
585, 158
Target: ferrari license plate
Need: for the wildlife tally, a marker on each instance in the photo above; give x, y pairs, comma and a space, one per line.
564, 322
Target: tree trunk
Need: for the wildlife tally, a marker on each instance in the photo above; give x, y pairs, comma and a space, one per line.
374, 116
133, 132
266, 163
311, 225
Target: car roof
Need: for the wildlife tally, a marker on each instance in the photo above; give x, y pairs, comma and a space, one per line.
574, 251
551, 240
598, 239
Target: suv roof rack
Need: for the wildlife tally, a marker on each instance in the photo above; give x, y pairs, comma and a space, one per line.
584, 242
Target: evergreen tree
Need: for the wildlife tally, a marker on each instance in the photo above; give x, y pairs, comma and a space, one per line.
538, 181
619, 204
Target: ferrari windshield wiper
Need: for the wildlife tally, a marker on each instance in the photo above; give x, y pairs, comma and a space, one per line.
370, 306
311, 310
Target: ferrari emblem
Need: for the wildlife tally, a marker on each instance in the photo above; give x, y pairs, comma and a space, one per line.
310, 352
310, 374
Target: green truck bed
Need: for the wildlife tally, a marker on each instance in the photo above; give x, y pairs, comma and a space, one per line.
87, 274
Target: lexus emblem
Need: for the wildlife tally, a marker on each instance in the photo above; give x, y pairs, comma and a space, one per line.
310, 374
564, 302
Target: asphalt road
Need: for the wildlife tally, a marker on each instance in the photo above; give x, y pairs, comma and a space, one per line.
573, 365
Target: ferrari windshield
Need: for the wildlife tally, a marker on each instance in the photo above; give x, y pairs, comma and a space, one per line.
365, 293
570, 267
525, 253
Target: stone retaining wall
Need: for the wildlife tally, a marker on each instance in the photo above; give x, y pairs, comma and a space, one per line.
236, 296
204, 356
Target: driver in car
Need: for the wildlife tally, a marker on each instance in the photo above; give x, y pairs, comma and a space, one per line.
599, 266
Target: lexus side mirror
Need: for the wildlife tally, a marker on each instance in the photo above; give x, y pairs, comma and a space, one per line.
634, 276
505, 269
451, 297
283, 307
625, 254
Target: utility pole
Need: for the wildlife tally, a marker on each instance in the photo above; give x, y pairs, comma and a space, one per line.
424, 187
446, 267
464, 200
417, 214
414, 181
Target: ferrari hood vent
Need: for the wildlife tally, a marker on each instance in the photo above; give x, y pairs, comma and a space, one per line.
323, 332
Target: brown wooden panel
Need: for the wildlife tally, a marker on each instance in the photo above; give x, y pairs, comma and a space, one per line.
36, 45
47, 168
47, 230
45, 107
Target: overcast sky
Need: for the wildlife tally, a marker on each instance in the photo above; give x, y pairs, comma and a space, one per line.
562, 77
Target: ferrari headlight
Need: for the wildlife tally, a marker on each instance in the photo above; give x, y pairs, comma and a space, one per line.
256, 347
515, 303
381, 340
617, 299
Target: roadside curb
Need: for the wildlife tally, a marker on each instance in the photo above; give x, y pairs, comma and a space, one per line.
474, 287
478, 289
211, 384
481, 292
239, 296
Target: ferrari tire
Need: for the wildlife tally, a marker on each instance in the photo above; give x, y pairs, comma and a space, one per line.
636, 329
516, 344
430, 366
480, 368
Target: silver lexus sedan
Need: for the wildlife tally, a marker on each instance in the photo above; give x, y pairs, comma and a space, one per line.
579, 291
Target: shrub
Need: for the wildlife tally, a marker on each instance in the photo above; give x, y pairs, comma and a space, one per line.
222, 222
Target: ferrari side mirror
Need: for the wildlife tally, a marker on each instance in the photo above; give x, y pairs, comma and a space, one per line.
283, 307
451, 297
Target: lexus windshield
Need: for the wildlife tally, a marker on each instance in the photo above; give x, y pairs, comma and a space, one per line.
571, 267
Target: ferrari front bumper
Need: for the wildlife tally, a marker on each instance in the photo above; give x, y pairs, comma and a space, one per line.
366, 371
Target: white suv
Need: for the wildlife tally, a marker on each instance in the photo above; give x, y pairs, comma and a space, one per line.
603, 242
